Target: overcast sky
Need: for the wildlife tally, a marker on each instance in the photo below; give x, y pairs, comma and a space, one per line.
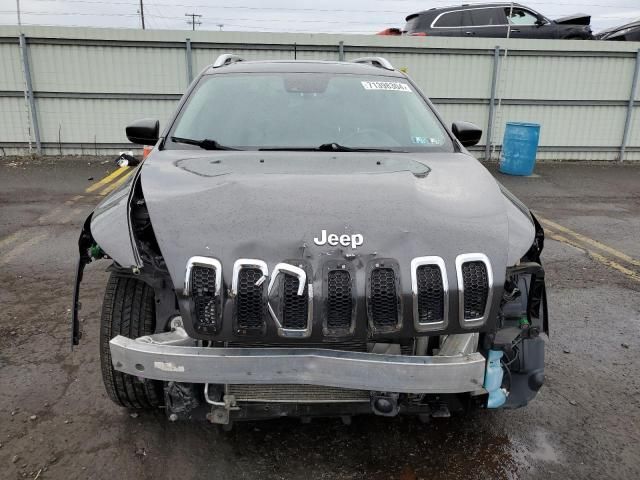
333, 16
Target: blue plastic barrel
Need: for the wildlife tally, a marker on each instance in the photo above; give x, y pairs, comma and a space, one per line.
519, 148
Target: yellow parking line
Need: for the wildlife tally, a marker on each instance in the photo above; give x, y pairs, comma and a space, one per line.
73, 200
592, 242
22, 249
109, 178
596, 256
10, 238
111, 187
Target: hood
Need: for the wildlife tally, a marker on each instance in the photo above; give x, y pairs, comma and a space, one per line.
575, 19
613, 31
272, 205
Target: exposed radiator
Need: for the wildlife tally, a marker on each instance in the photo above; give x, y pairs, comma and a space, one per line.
277, 393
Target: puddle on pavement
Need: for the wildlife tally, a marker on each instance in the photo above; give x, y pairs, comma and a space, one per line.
377, 448
540, 450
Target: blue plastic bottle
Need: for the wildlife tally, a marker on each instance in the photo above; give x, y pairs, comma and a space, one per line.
493, 380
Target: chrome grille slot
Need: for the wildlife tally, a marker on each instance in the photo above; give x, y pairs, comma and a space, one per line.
339, 300
430, 289
476, 289
475, 281
249, 299
290, 300
294, 306
383, 298
202, 283
430, 294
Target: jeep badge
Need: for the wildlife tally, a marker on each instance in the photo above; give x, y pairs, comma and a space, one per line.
353, 241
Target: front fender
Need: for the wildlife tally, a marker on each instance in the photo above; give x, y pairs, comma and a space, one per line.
111, 225
107, 229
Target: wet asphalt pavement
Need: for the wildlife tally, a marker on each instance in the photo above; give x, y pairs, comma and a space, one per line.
57, 422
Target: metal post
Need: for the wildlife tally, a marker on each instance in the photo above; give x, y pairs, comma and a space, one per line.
341, 51
142, 13
494, 76
32, 100
632, 98
189, 62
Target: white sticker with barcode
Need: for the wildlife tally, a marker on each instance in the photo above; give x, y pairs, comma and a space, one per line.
394, 86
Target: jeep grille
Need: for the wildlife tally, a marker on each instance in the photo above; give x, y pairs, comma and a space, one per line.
383, 298
339, 300
430, 294
476, 289
249, 299
294, 306
203, 292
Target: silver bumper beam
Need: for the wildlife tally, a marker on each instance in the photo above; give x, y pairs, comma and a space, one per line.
335, 368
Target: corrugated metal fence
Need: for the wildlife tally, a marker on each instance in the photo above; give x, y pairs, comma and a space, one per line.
72, 90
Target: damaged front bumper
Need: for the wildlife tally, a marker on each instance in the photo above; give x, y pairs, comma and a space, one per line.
173, 356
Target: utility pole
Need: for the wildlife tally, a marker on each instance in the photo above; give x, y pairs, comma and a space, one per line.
193, 20
142, 13
18, 11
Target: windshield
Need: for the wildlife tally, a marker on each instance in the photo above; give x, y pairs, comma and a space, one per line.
307, 110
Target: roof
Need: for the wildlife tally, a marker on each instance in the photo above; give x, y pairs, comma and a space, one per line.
463, 7
303, 66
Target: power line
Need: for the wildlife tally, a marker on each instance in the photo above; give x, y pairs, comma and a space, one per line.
193, 20
233, 19
304, 9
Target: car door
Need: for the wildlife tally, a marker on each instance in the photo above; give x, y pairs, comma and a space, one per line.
486, 22
633, 35
525, 23
447, 24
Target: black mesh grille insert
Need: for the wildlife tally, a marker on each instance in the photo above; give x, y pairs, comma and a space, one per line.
339, 299
384, 299
430, 294
249, 300
203, 290
476, 289
294, 306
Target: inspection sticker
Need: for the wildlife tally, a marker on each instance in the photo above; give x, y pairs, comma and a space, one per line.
395, 86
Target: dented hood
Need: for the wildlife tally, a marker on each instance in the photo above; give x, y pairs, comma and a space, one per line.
575, 19
272, 205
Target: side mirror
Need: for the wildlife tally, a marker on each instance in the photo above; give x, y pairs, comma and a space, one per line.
143, 132
541, 21
468, 133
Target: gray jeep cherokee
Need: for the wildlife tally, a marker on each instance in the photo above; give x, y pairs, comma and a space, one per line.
308, 239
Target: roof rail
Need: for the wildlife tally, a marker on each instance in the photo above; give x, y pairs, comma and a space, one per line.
379, 62
227, 59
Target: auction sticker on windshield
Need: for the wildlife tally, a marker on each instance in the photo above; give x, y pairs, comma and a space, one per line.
396, 86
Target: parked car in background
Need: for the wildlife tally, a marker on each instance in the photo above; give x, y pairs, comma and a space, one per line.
390, 31
496, 20
626, 33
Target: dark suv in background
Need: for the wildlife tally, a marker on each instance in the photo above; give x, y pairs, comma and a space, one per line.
623, 33
494, 20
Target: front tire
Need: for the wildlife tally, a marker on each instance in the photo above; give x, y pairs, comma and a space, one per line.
128, 309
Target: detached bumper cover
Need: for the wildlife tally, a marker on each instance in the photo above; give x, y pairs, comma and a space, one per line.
334, 368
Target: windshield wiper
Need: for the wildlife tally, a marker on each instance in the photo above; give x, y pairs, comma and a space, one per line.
207, 143
328, 147
336, 147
